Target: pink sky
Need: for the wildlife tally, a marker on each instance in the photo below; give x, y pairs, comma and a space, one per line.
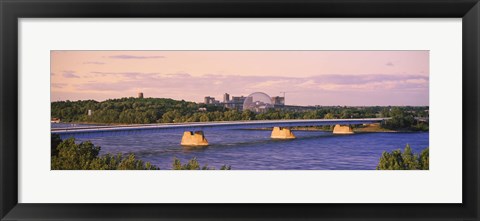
356, 78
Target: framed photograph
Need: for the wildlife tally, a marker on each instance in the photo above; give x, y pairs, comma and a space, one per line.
227, 110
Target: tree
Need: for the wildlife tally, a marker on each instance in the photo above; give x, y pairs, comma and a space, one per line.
204, 118
424, 159
409, 159
170, 116
329, 116
391, 161
346, 114
312, 115
55, 141
384, 113
193, 164
399, 120
248, 115
73, 156
396, 160
84, 156
232, 115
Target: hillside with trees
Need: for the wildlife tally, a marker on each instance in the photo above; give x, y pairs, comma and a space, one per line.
163, 110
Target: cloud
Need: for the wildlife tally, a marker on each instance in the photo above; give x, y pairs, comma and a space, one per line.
134, 57
309, 90
59, 85
270, 83
94, 62
180, 74
307, 84
185, 82
130, 75
390, 64
70, 74
371, 82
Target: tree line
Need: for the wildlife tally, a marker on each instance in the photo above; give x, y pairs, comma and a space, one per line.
163, 110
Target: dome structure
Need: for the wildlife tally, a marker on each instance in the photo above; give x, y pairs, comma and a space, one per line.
258, 102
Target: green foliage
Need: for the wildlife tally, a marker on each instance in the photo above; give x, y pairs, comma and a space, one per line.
248, 115
124, 110
84, 156
404, 119
424, 159
232, 115
171, 116
119, 162
420, 126
68, 155
329, 116
226, 167
396, 160
409, 159
313, 115
193, 165
162, 110
73, 156
55, 141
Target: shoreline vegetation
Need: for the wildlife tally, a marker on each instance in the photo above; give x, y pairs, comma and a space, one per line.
69, 155
129, 111
406, 160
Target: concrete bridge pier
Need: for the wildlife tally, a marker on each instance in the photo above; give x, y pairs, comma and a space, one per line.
196, 138
282, 133
345, 129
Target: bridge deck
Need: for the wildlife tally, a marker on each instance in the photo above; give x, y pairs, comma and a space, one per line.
204, 126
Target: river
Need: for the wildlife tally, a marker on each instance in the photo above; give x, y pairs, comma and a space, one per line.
254, 150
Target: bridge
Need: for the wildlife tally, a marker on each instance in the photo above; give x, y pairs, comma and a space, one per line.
193, 133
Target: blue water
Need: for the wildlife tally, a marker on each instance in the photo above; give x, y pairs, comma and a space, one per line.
70, 125
254, 150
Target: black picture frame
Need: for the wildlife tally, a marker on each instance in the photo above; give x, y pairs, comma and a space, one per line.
12, 10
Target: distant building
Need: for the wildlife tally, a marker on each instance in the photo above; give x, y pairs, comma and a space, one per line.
90, 112
278, 101
206, 100
226, 98
209, 100
258, 102
140, 95
236, 103
240, 99
248, 99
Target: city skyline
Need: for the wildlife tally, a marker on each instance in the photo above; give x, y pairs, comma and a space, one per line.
327, 78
